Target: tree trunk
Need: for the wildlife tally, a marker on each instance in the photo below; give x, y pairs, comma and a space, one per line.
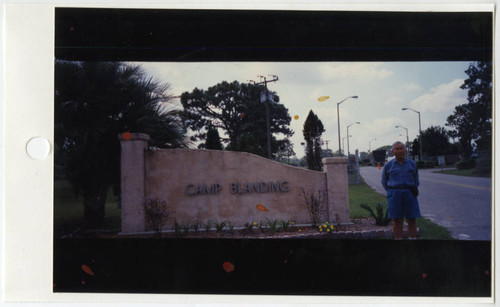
93, 202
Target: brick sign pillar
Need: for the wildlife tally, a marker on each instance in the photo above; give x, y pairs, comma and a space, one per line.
133, 183
338, 193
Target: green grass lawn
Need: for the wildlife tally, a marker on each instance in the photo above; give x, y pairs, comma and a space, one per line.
68, 211
363, 194
472, 172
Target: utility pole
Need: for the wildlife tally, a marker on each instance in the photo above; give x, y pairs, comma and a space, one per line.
326, 142
268, 113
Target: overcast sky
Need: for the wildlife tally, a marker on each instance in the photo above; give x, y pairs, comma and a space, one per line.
383, 88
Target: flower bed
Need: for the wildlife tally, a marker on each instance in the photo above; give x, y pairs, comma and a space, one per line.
358, 229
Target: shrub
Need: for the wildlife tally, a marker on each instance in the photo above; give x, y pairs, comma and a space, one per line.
430, 164
465, 164
381, 218
425, 164
315, 205
156, 214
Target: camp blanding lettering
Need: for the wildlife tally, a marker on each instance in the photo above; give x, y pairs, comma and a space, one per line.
237, 188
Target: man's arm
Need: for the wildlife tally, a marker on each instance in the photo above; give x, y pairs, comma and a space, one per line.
417, 181
384, 177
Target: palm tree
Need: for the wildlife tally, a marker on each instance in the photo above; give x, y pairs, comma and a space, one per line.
94, 103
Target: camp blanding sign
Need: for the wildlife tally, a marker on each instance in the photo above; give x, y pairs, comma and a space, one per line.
237, 188
202, 185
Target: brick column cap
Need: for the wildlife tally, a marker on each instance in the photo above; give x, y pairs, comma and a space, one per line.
128, 136
335, 160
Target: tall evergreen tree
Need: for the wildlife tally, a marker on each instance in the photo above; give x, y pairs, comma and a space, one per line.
213, 139
313, 129
472, 121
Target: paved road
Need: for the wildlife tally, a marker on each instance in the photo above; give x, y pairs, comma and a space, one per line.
461, 204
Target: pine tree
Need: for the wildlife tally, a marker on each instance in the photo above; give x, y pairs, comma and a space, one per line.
313, 129
213, 139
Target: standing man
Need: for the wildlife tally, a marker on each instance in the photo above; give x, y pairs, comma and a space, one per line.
400, 180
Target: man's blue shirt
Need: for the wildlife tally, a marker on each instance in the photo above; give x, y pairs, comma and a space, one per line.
397, 175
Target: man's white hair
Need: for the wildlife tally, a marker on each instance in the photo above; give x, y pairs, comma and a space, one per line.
395, 144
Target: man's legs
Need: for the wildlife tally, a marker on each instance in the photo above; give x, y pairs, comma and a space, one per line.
397, 228
412, 228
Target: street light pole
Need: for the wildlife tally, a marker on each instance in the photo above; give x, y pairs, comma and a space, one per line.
370, 145
338, 123
348, 137
338, 115
343, 142
407, 140
419, 129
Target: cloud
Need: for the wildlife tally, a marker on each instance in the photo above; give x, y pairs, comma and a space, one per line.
410, 87
394, 101
381, 126
441, 98
359, 71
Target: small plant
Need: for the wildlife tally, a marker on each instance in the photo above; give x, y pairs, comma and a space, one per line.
230, 226
219, 226
177, 229
261, 227
381, 218
209, 225
285, 225
250, 226
156, 214
326, 227
315, 205
185, 229
273, 225
195, 227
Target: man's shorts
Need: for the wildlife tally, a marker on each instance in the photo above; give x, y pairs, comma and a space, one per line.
402, 203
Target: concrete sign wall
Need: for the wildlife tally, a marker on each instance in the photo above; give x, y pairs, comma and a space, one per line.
200, 185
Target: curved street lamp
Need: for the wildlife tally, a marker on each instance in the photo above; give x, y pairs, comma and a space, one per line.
407, 140
323, 98
356, 123
420, 131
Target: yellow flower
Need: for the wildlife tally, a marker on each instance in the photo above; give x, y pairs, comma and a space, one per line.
326, 223
255, 223
300, 230
328, 230
331, 226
